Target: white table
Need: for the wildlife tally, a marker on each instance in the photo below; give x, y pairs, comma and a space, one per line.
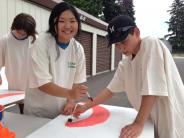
8, 97
110, 128
23, 125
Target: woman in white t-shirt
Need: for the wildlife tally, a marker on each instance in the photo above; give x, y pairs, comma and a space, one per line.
14, 51
150, 78
58, 66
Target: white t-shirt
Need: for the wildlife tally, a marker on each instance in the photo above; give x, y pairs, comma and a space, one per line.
153, 72
14, 56
68, 69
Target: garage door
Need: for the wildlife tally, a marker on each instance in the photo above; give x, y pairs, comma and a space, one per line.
103, 55
85, 38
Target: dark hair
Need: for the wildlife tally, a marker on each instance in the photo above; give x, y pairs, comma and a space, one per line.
25, 22
54, 18
56, 12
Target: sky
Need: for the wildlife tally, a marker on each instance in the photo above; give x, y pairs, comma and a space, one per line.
151, 16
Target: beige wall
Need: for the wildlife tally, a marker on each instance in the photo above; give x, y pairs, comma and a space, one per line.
10, 8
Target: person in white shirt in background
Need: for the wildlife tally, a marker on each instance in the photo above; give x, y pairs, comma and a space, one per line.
58, 66
15, 49
150, 78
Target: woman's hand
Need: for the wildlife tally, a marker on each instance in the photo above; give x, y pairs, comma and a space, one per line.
131, 131
68, 108
78, 91
79, 110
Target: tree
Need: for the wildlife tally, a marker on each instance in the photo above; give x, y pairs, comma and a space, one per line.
105, 9
114, 8
127, 7
93, 7
111, 9
176, 25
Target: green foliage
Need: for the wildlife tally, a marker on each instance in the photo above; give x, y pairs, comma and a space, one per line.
127, 8
176, 25
114, 8
111, 9
93, 7
105, 9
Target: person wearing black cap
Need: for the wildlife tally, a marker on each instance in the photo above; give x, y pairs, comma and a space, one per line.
150, 78
58, 66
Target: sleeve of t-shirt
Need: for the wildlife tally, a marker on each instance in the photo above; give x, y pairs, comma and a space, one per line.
40, 74
117, 85
80, 75
153, 75
2, 51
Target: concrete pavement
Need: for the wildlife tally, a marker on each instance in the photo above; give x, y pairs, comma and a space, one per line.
180, 65
99, 82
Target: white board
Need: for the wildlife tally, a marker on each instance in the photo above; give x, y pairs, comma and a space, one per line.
110, 128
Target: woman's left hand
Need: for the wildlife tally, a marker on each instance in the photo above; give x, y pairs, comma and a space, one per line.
68, 108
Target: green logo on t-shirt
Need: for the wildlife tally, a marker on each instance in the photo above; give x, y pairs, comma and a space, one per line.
71, 65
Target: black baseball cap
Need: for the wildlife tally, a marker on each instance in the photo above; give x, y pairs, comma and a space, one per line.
119, 28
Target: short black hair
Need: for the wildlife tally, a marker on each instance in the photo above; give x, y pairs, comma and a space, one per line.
56, 12
25, 22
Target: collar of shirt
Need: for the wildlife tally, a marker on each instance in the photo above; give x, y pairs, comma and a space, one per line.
63, 45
